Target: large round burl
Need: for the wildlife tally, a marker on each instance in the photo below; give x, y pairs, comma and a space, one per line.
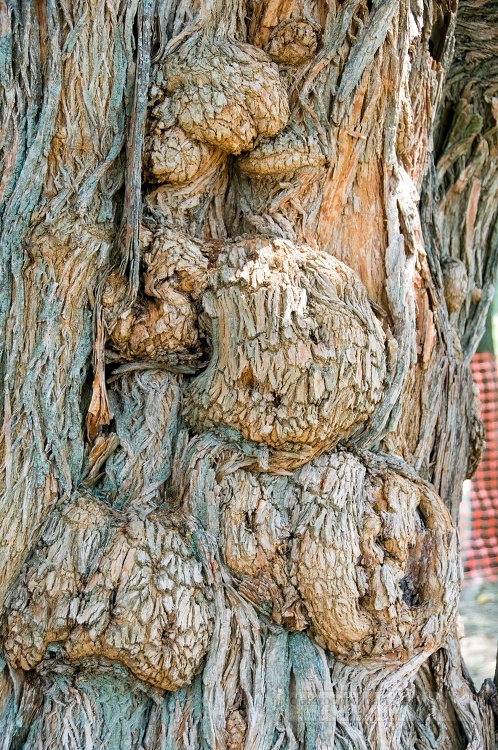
355, 547
224, 93
298, 358
375, 559
103, 585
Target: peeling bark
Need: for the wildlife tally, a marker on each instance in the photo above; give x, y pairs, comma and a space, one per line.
247, 253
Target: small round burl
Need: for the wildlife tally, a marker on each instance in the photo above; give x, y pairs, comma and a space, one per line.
163, 321
155, 328
292, 43
456, 283
170, 156
284, 154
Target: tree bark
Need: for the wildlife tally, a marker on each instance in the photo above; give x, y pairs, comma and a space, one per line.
248, 250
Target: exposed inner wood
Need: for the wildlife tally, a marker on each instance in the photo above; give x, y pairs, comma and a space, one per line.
273, 225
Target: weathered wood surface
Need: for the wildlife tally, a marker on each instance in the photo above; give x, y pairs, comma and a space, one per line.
247, 253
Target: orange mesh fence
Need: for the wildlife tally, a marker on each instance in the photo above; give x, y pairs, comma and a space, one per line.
479, 509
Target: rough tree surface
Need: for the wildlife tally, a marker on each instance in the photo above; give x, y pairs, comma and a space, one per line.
247, 252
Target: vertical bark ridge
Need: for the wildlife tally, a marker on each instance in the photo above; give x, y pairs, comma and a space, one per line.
260, 550
55, 261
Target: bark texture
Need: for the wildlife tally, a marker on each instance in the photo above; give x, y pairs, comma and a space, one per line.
247, 253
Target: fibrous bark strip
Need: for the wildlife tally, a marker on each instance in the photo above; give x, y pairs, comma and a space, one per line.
248, 250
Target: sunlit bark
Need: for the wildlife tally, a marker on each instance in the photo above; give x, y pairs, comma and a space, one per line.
247, 254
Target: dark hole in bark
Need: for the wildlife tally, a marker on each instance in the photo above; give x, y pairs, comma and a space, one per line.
369, 5
421, 517
364, 602
135, 30
249, 518
314, 337
410, 595
53, 651
293, 704
112, 600
437, 41
86, 393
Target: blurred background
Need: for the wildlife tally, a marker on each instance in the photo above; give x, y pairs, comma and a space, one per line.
479, 521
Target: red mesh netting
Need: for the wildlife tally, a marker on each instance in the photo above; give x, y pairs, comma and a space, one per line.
479, 509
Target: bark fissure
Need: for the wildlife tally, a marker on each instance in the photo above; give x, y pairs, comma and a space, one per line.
273, 226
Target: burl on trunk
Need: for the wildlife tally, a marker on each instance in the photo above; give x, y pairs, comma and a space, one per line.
247, 253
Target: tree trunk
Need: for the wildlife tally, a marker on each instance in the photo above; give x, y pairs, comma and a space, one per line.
248, 250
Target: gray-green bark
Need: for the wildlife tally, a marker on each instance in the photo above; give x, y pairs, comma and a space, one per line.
247, 253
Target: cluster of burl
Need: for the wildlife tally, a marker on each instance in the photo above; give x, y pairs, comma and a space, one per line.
313, 535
